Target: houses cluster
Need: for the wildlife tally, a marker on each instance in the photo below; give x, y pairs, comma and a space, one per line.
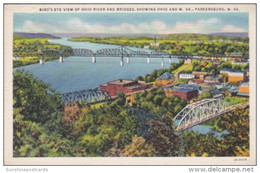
228, 82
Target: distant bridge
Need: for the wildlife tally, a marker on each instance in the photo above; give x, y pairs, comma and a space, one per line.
201, 111
89, 96
123, 51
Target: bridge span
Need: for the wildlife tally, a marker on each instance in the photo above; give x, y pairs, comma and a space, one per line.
203, 110
123, 51
89, 96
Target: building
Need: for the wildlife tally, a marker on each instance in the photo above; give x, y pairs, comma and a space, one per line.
236, 57
186, 93
200, 74
212, 79
244, 89
125, 86
165, 79
187, 61
240, 63
186, 76
224, 58
231, 90
155, 44
207, 86
216, 63
185, 85
195, 81
236, 76
221, 86
215, 92
146, 46
225, 71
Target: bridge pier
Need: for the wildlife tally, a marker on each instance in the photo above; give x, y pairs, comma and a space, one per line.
122, 61
94, 59
170, 60
61, 59
148, 60
162, 63
127, 60
41, 60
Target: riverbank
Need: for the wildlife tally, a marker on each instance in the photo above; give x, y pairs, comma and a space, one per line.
26, 51
178, 44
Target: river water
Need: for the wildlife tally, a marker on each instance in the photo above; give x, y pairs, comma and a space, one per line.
78, 73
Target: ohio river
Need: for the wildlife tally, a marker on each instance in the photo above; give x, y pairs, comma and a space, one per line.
78, 73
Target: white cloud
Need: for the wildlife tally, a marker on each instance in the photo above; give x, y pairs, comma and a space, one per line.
76, 25
123, 28
201, 26
30, 26
231, 28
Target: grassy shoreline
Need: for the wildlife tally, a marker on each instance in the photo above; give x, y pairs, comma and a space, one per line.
28, 50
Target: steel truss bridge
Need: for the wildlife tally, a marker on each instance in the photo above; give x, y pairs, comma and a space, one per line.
123, 51
89, 96
201, 111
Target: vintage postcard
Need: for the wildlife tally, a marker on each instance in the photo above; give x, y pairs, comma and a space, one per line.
130, 84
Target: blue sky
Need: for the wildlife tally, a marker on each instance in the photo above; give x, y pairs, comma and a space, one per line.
158, 23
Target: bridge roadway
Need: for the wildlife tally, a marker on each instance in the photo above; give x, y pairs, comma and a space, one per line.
190, 124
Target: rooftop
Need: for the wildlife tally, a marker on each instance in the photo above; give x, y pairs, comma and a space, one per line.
190, 86
215, 91
245, 84
121, 81
236, 53
183, 90
136, 86
231, 70
166, 76
232, 88
213, 77
243, 94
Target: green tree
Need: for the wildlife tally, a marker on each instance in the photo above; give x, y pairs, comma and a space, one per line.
138, 148
236, 143
206, 94
163, 139
158, 100
38, 102
121, 100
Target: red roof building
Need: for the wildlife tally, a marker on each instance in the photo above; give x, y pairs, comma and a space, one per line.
125, 86
186, 93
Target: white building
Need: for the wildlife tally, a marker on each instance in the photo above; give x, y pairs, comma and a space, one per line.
155, 44
146, 46
186, 76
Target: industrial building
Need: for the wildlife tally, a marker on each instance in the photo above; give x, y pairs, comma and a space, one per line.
236, 76
244, 89
187, 93
125, 86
